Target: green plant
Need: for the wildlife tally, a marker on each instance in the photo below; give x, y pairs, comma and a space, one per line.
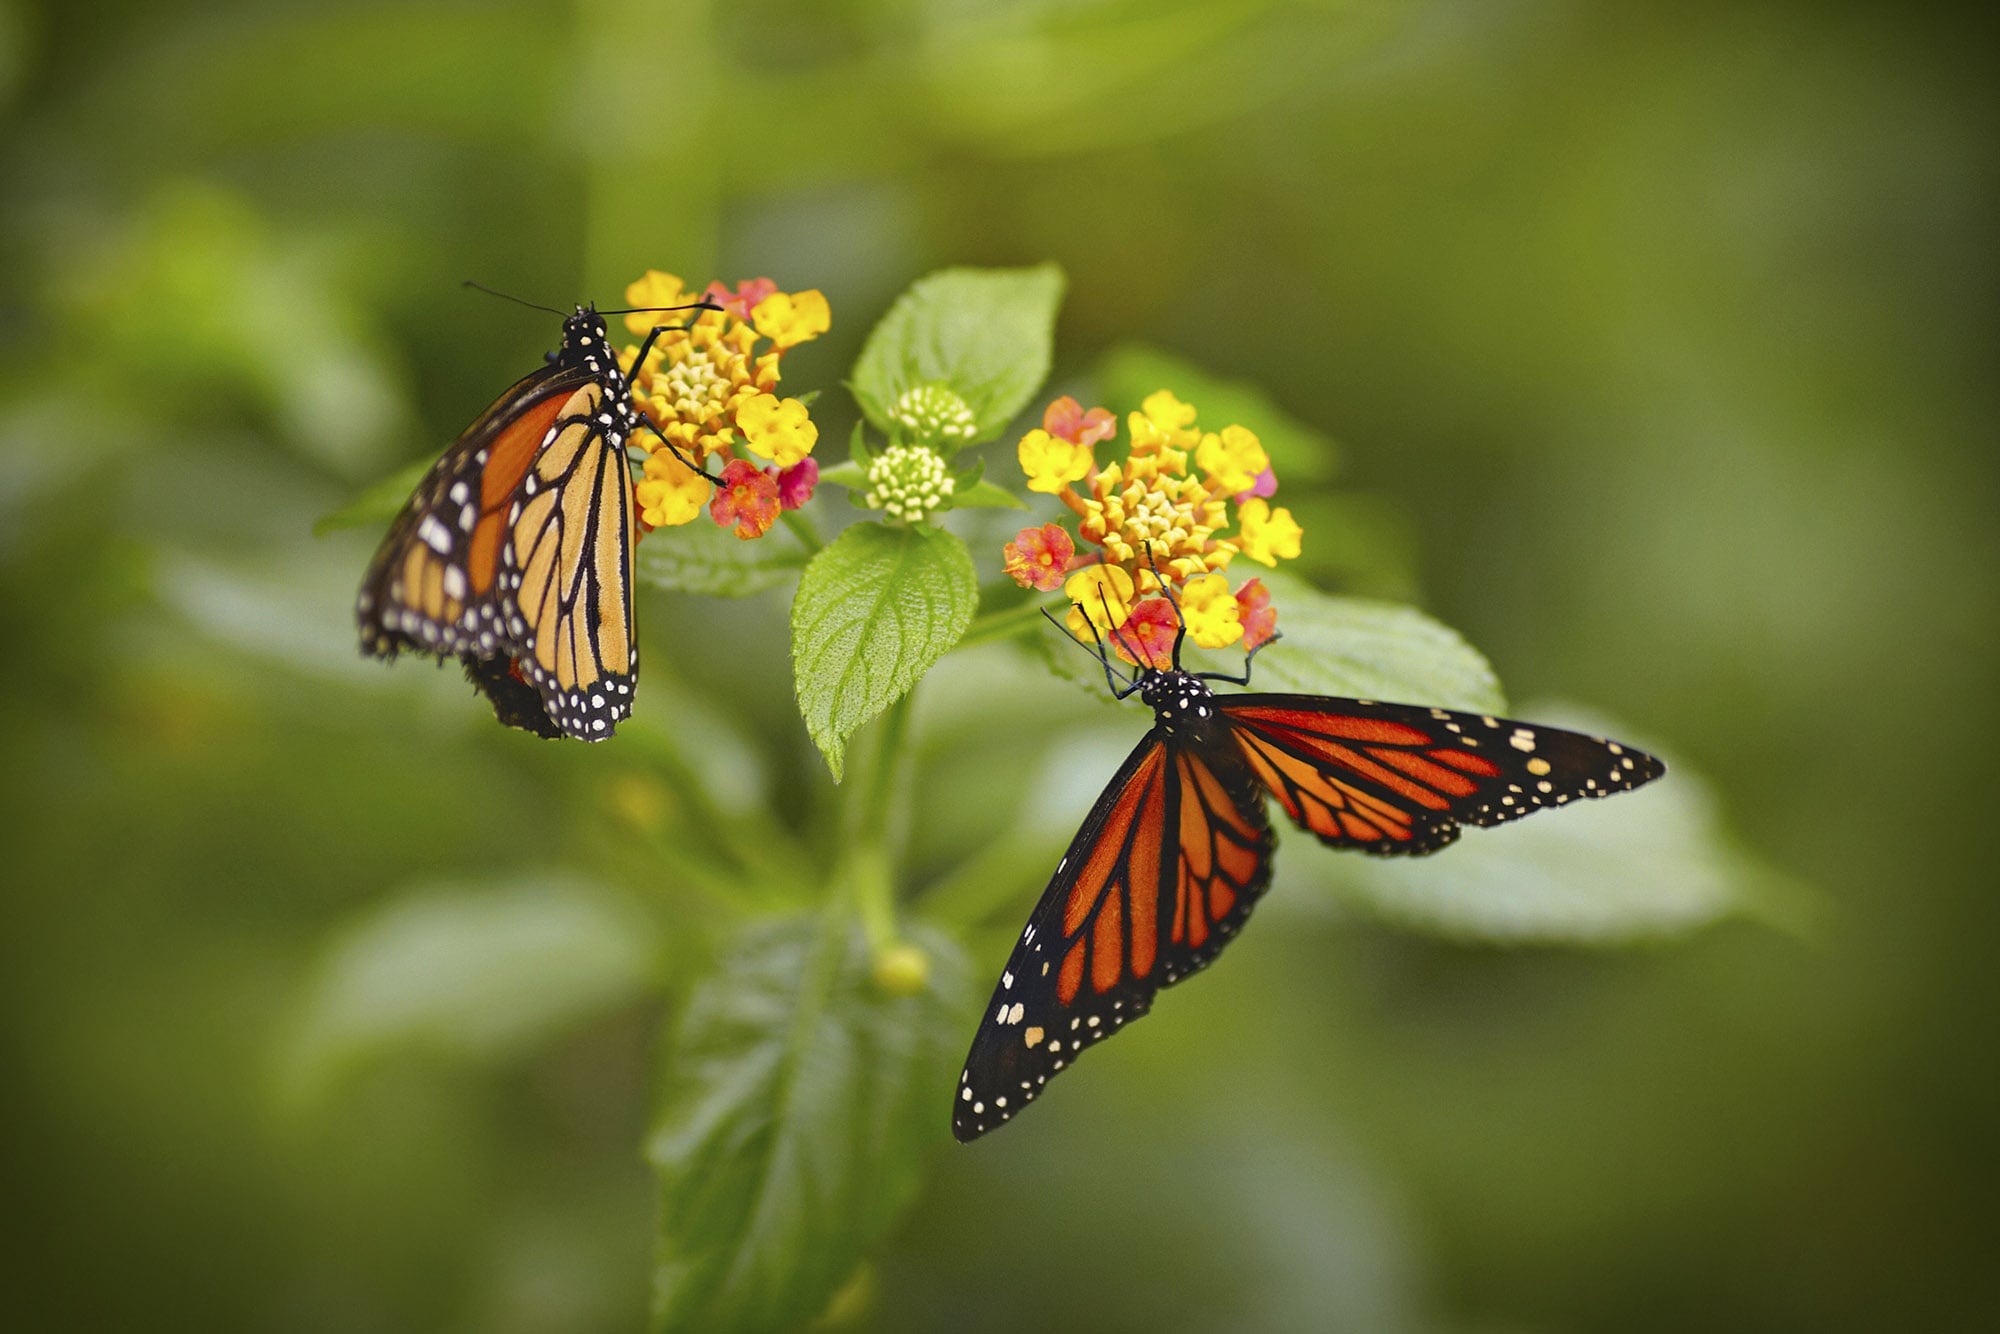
809, 1058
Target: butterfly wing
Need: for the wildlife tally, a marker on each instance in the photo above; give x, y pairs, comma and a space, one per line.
515, 554
434, 585
1162, 874
1400, 779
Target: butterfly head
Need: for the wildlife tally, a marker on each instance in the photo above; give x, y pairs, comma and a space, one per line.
1180, 700
587, 343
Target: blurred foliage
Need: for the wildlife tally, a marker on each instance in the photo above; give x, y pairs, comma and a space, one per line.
1656, 344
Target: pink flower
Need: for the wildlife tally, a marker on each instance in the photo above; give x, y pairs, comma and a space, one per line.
1039, 557
796, 483
1066, 419
1146, 639
744, 299
1265, 485
748, 498
1258, 616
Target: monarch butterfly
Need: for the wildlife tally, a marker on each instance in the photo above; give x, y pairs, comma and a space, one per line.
514, 553
1177, 850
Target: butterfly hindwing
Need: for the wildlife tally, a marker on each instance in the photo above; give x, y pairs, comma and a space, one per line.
1164, 871
1400, 779
566, 562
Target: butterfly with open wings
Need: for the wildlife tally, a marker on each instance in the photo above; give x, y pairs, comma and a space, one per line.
514, 553
1177, 850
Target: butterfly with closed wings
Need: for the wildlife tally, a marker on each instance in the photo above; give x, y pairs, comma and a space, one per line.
514, 553
1176, 852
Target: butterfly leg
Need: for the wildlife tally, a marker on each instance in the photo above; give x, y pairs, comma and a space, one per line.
1249, 657
644, 349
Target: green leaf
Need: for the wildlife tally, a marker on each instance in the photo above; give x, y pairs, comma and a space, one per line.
985, 495
857, 446
1299, 453
874, 610
1637, 865
850, 474
1370, 650
1021, 615
799, 1098
703, 557
987, 333
378, 503
468, 971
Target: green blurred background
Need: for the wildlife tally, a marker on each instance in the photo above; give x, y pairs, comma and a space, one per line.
1658, 342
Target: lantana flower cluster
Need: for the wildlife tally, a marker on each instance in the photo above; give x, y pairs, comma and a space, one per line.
1166, 519
712, 391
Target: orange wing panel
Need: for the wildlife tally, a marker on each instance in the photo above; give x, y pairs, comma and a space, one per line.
514, 448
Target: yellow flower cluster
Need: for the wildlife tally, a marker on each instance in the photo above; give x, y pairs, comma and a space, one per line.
1155, 519
708, 386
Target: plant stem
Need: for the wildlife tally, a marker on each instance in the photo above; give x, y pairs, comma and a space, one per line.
870, 827
802, 529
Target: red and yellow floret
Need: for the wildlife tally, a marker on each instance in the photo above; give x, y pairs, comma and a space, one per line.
711, 389
1176, 510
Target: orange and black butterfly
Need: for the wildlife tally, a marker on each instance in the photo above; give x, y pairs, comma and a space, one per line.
1176, 852
514, 554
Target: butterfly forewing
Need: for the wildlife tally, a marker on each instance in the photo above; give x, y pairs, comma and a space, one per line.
1177, 850
514, 553
1163, 872
432, 587
1400, 779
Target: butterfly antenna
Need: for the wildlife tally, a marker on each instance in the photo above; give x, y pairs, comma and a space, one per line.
1118, 634
703, 304
508, 296
1172, 601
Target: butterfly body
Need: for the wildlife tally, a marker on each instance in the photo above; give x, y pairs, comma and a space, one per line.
514, 554
1177, 850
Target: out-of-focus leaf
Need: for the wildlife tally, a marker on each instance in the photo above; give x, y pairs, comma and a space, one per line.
799, 1097
378, 502
848, 474
201, 296
703, 557
1077, 665
1364, 545
1299, 453
1637, 865
986, 495
294, 609
1370, 650
874, 610
469, 971
987, 334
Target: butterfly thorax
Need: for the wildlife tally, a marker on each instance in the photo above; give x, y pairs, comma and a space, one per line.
587, 346
1182, 705
587, 343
